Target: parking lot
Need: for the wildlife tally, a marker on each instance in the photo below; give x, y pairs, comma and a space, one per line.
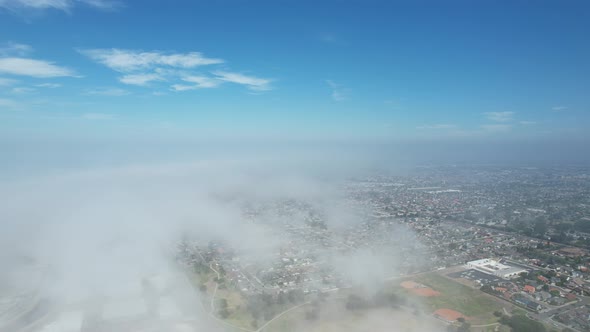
474, 275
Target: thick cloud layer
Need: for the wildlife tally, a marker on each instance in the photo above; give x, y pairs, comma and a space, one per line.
94, 233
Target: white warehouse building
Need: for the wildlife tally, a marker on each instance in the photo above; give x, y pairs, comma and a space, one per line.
496, 268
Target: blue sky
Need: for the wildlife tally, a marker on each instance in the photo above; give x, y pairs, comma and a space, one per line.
302, 70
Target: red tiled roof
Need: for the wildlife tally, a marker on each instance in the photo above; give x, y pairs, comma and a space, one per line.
529, 288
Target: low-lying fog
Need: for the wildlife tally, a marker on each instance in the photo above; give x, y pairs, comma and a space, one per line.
84, 235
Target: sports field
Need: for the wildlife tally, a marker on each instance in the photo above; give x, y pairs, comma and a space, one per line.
472, 303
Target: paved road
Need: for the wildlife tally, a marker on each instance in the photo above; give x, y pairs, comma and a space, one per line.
215, 290
486, 325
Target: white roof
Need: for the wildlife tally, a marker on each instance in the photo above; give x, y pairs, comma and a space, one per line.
512, 269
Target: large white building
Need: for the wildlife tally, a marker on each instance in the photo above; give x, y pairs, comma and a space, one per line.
496, 268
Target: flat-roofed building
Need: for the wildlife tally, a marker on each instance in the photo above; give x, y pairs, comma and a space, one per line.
493, 267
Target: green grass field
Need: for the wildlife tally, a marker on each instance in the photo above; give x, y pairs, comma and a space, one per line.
468, 301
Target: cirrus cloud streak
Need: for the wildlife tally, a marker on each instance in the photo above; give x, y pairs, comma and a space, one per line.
33, 68
131, 60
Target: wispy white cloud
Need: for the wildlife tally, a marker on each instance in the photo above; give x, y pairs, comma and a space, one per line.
141, 68
63, 5
14, 49
437, 126
499, 116
14, 62
528, 123
22, 90
559, 108
33, 68
202, 81
339, 93
496, 127
111, 92
49, 85
198, 82
98, 116
131, 60
103, 4
140, 79
251, 82
36, 4
183, 87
